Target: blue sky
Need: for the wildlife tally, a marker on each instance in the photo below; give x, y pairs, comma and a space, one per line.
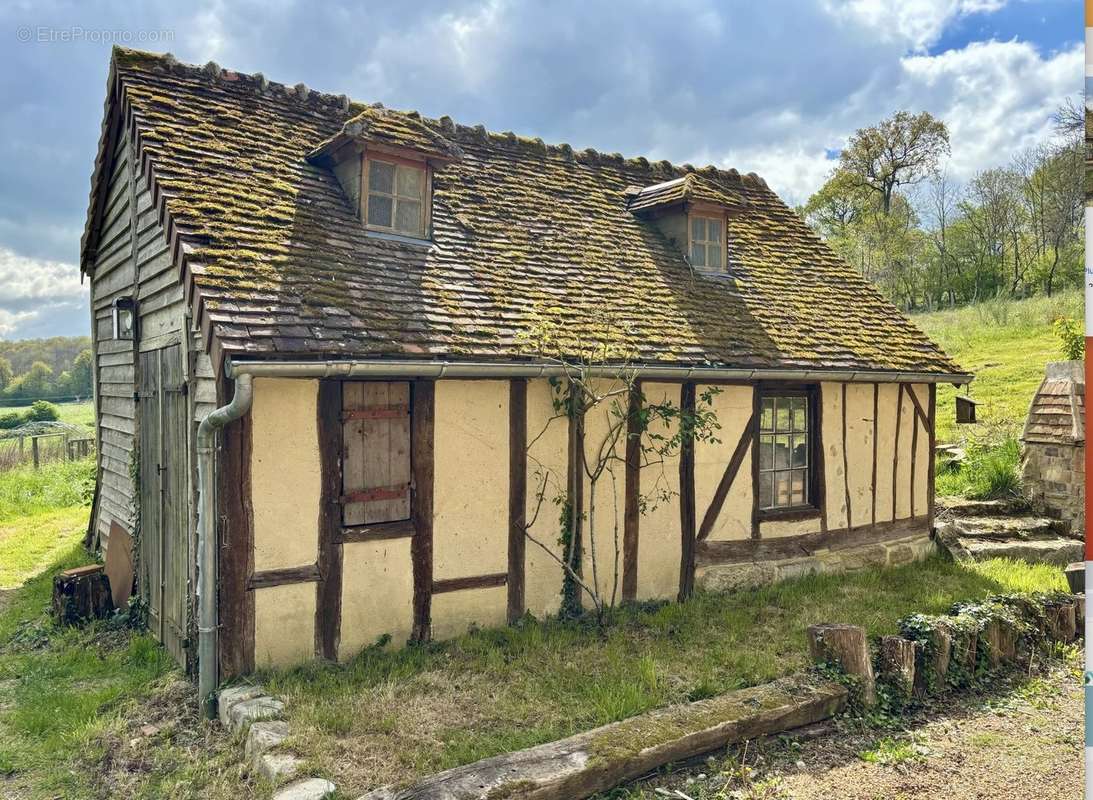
774, 88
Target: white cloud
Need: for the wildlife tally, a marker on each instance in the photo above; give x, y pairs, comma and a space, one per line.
36, 293
996, 97
916, 22
24, 279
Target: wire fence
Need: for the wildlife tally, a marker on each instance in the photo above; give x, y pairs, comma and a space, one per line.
39, 443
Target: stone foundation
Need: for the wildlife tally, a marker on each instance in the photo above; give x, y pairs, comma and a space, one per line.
1054, 480
752, 574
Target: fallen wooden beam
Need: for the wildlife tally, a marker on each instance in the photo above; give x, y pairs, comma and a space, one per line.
599, 759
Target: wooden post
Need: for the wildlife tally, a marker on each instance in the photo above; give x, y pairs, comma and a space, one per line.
423, 397
518, 488
328, 599
34, 450
897, 664
687, 493
846, 647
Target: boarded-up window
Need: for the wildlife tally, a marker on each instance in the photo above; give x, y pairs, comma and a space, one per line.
375, 452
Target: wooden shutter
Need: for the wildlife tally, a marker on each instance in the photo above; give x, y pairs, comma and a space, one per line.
376, 452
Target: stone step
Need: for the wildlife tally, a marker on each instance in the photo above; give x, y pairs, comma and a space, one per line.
1021, 528
962, 507
1046, 551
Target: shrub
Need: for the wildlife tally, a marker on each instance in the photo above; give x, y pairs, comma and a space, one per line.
12, 419
42, 411
1071, 338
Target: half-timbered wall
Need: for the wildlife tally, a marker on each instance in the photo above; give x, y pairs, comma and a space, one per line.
482, 453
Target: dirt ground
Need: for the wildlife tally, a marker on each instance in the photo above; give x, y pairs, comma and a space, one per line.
1023, 741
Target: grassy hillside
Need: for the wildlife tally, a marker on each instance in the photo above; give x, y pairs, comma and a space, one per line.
1006, 343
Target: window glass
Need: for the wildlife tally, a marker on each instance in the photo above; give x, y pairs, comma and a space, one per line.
408, 216
381, 177
379, 210
396, 197
784, 445
698, 255
698, 229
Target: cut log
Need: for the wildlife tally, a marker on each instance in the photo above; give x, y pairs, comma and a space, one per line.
1062, 621
600, 759
964, 633
932, 669
896, 665
845, 647
1000, 641
80, 594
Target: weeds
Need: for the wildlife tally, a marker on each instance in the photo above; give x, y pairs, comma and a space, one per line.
989, 472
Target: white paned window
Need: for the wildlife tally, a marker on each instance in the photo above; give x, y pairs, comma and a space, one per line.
396, 198
707, 243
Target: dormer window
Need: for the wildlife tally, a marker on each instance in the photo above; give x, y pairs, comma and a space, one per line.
396, 198
707, 248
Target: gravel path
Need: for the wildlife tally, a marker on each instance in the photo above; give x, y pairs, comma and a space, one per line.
1021, 742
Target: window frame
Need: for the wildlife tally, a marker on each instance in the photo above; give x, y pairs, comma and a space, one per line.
708, 216
398, 162
814, 485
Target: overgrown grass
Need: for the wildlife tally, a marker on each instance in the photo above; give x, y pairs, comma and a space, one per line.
1006, 343
393, 715
61, 484
990, 471
28, 545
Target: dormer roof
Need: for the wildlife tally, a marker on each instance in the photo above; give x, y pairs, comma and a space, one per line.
398, 131
690, 188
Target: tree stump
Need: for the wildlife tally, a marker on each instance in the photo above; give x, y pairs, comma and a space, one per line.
896, 665
933, 662
965, 641
80, 594
1062, 621
846, 647
1000, 637
1079, 613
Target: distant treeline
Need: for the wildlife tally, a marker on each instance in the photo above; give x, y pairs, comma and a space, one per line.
31, 369
1014, 230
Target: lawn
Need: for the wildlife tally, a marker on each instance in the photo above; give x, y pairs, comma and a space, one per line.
1006, 343
392, 716
82, 413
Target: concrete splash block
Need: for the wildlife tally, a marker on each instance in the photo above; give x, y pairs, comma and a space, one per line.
599, 759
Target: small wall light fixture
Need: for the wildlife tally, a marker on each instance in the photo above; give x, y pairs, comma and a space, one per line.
125, 318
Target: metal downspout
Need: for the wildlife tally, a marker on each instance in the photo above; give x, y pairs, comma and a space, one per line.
207, 539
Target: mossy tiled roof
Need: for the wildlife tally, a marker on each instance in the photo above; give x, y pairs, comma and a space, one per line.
529, 241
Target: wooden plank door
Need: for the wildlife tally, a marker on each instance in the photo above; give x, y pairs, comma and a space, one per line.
164, 510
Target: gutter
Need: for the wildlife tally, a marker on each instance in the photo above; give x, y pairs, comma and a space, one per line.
208, 540
410, 368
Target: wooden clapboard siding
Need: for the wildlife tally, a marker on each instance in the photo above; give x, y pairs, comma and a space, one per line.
133, 259
376, 451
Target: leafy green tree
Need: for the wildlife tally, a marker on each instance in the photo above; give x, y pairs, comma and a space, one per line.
6, 373
35, 382
899, 151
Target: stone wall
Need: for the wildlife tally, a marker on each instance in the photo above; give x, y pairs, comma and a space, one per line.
1054, 479
752, 574
1053, 469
